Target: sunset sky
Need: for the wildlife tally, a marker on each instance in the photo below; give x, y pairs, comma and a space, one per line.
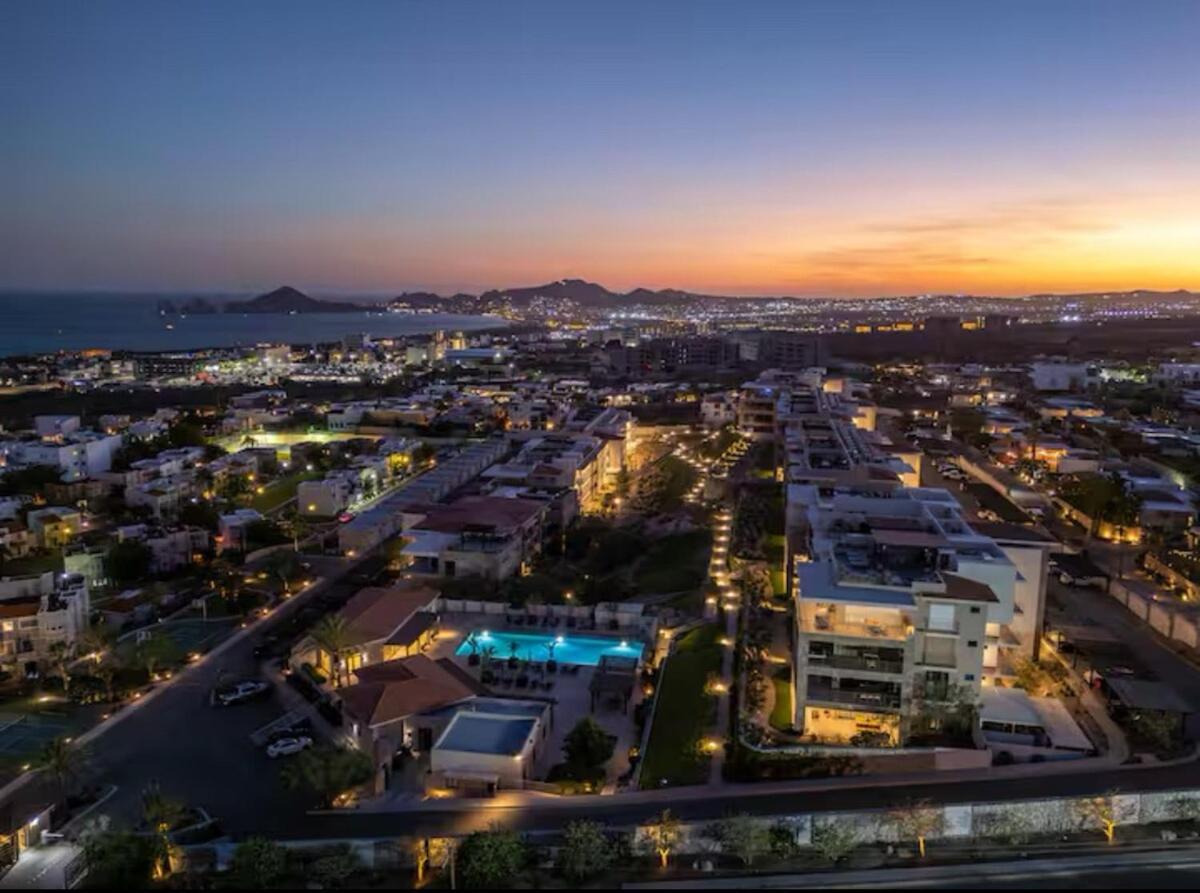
844, 148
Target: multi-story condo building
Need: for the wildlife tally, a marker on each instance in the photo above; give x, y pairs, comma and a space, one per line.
899, 602
36, 613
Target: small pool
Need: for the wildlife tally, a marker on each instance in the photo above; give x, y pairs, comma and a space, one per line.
567, 648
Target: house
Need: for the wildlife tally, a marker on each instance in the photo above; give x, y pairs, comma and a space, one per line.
485, 536
383, 623
484, 751
38, 612
55, 526
384, 708
231, 529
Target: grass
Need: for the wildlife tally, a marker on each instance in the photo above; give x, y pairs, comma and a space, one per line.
683, 712
781, 712
663, 488
32, 564
778, 583
674, 563
280, 491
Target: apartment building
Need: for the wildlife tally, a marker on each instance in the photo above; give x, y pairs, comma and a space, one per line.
77, 454
898, 602
583, 463
396, 512
36, 613
477, 536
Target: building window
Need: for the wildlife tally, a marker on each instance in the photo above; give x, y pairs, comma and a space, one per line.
971, 643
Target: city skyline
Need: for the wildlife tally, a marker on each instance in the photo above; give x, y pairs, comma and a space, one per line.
786, 149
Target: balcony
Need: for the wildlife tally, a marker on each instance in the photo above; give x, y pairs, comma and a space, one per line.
855, 662
865, 699
881, 628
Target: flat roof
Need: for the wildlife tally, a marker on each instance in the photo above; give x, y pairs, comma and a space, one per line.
487, 733
817, 584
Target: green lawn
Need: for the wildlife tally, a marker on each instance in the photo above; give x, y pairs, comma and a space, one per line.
781, 713
674, 563
778, 582
280, 491
32, 564
663, 488
683, 713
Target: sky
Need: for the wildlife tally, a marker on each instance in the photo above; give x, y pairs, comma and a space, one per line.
807, 148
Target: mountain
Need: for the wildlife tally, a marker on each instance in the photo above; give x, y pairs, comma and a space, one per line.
290, 300
577, 290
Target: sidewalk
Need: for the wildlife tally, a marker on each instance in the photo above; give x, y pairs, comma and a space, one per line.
42, 868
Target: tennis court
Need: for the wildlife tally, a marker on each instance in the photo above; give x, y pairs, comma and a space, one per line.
23, 735
186, 635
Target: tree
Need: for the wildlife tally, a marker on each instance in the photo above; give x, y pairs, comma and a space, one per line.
1007, 822
128, 561
63, 763
586, 851
161, 815
835, 840
118, 860
199, 514
258, 864
61, 658
437, 852
336, 868
1099, 812
1157, 728
282, 565
490, 859
588, 746
332, 635
663, 834
745, 837
917, 821
154, 651
328, 772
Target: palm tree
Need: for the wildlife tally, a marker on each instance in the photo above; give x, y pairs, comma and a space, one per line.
161, 814
332, 635
61, 658
63, 763
94, 642
1035, 431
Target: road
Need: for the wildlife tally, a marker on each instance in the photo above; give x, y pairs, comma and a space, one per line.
200, 754
1174, 868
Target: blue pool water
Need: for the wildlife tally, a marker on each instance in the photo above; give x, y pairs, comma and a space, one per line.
569, 649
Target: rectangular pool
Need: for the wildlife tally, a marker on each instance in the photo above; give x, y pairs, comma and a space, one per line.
567, 648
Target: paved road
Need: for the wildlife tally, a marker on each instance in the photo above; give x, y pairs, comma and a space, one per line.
201, 754
1093, 607
1178, 867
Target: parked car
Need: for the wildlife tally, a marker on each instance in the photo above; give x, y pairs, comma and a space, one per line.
1068, 579
242, 692
299, 729
286, 747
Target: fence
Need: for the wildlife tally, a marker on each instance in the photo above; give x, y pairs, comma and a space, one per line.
1170, 619
627, 617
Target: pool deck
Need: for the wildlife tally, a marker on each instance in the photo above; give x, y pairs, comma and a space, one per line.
571, 694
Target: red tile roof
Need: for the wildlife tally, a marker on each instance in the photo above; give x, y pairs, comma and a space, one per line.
396, 689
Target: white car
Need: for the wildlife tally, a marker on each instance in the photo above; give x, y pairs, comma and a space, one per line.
243, 691
286, 747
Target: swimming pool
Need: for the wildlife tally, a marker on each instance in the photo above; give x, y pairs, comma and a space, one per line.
568, 649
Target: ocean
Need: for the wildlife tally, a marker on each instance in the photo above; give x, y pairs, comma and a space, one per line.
32, 323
